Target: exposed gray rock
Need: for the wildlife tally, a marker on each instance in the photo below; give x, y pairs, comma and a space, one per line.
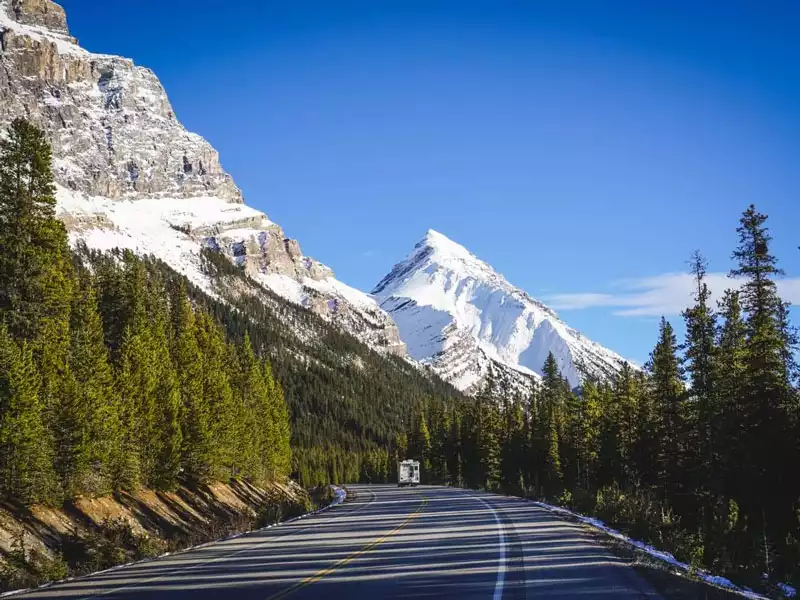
111, 125
116, 138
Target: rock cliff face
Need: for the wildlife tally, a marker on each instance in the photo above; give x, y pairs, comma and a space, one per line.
130, 175
113, 130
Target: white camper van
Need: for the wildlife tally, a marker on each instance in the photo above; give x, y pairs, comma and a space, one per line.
408, 473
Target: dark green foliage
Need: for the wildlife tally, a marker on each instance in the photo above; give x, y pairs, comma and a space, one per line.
34, 258
26, 472
109, 378
703, 465
116, 372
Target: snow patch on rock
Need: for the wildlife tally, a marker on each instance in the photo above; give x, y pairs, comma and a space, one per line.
458, 314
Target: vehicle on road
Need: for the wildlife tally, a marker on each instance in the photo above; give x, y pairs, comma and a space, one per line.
408, 473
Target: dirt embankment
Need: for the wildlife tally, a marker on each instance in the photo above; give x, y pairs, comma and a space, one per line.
40, 544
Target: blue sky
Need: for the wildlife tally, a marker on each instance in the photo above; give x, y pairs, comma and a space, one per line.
584, 149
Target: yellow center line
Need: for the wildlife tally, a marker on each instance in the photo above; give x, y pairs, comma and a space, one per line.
325, 572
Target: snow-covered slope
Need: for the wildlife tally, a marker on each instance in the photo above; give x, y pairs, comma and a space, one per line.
459, 315
130, 175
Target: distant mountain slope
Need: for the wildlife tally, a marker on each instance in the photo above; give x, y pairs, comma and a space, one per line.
130, 175
460, 316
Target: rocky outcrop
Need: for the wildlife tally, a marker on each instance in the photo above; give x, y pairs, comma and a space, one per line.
131, 176
42, 13
268, 250
111, 125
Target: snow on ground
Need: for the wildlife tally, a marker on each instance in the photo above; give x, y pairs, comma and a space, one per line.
175, 231
149, 226
283, 285
334, 287
663, 556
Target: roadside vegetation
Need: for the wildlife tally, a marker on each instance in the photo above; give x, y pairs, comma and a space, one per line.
696, 454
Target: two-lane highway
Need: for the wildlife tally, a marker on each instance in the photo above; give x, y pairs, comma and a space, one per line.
425, 542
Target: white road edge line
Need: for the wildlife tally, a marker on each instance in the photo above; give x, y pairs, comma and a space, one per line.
501, 536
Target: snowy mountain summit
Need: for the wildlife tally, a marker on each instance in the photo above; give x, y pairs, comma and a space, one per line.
460, 316
129, 175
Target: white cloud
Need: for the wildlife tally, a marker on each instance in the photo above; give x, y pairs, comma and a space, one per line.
667, 294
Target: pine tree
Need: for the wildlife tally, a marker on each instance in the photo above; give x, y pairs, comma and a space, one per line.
704, 418
514, 450
487, 431
253, 423
88, 427
419, 441
35, 277
136, 387
25, 461
164, 449
278, 449
667, 392
549, 421
195, 415
218, 395
766, 389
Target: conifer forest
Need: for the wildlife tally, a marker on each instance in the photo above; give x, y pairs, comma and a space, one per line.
117, 373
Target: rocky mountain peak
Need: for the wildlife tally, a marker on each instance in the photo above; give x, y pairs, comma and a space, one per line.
456, 313
129, 175
39, 13
113, 130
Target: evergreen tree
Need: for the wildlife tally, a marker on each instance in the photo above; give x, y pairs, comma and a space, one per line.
514, 450
549, 422
88, 427
35, 278
278, 432
164, 451
136, 386
195, 415
254, 425
766, 389
25, 461
218, 396
488, 428
667, 391
419, 441
704, 437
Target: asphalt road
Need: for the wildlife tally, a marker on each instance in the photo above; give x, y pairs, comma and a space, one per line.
425, 542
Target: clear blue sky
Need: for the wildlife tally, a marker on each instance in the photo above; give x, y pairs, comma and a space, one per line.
578, 147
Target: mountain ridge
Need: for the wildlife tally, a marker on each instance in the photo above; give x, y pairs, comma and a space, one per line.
459, 315
130, 175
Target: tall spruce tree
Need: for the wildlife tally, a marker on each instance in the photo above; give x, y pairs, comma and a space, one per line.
88, 427
548, 423
218, 395
667, 390
253, 423
278, 434
195, 415
35, 278
766, 389
704, 416
26, 473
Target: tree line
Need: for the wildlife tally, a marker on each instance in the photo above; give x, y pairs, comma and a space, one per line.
110, 378
698, 452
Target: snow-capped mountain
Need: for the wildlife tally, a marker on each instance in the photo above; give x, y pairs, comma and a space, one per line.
130, 175
460, 316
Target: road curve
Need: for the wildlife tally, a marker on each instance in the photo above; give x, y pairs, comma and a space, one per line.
425, 542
